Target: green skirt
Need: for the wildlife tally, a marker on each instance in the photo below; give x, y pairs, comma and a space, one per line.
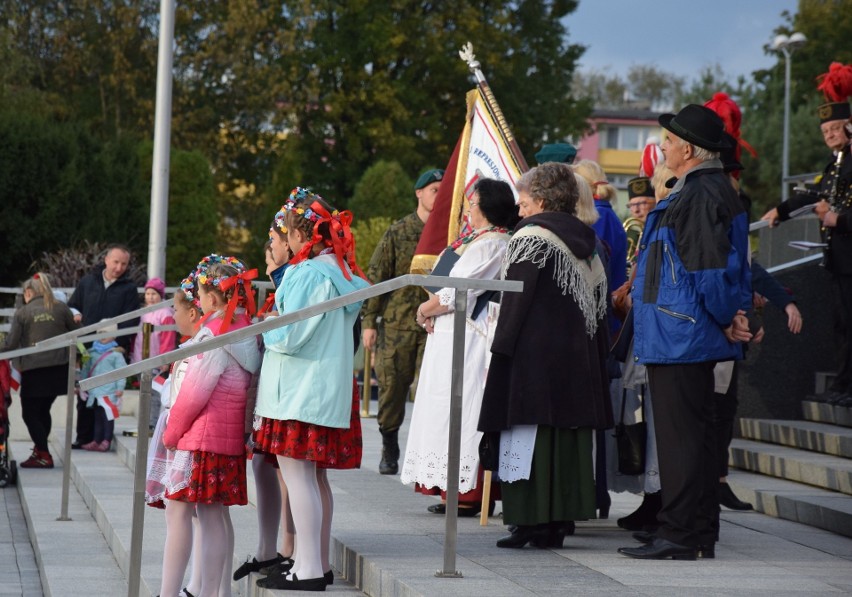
561, 486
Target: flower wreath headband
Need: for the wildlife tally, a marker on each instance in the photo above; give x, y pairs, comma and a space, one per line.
240, 283
306, 204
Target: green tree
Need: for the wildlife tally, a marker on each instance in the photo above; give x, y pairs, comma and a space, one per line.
385, 190
193, 222
59, 185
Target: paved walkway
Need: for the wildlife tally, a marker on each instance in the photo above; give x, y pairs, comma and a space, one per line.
386, 544
18, 570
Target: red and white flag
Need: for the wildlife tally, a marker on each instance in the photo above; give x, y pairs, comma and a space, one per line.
482, 151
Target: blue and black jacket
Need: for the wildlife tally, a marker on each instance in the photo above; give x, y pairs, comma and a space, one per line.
693, 272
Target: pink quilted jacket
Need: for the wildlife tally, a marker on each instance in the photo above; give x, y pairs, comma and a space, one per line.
209, 411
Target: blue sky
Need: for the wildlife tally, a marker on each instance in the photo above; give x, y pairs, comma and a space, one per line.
678, 36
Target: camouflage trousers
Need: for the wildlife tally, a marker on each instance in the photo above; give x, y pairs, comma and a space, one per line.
397, 363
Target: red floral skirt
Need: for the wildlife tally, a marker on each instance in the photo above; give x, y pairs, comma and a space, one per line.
215, 479
329, 447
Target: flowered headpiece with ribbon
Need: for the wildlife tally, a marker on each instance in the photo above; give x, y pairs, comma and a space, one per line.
189, 288
242, 294
308, 205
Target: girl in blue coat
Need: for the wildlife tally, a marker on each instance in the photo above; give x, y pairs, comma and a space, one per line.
305, 390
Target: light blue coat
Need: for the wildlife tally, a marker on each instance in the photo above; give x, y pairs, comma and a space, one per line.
307, 368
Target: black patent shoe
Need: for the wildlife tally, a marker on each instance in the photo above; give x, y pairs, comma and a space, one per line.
659, 549
523, 534
281, 566
556, 533
292, 583
437, 508
253, 565
728, 499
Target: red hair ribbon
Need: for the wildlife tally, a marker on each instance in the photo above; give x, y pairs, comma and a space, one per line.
349, 242
233, 282
35, 276
336, 231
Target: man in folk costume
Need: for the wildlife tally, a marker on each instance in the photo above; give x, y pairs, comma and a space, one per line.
400, 350
691, 292
833, 205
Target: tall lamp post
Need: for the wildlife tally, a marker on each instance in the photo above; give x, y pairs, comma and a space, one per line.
787, 45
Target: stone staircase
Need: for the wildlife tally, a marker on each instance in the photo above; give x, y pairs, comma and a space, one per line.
798, 470
101, 513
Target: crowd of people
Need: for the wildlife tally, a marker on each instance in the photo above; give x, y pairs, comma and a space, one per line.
615, 319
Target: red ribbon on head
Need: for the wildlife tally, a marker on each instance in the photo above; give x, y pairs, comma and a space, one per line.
336, 241
349, 242
245, 279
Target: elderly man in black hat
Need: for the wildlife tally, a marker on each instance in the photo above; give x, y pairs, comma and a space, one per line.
833, 204
690, 295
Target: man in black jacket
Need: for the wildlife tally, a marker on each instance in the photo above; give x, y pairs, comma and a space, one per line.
833, 205
107, 291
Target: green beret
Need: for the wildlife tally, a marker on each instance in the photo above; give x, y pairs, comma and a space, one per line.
556, 152
428, 178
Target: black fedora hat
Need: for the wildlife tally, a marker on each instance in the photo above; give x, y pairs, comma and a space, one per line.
697, 125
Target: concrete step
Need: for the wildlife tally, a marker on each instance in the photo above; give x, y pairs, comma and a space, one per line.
815, 507
105, 482
94, 571
827, 413
804, 435
828, 472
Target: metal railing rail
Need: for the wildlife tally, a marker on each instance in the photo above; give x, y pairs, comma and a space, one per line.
454, 442
790, 264
62, 339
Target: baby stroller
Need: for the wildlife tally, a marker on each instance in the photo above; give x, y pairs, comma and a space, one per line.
8, 468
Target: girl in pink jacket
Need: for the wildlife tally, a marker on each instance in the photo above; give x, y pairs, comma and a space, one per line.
205, 430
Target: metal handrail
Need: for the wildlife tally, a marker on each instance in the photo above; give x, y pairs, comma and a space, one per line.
63, 339
145, 367
272, 323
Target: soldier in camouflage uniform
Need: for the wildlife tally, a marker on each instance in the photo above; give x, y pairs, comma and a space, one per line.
400, 347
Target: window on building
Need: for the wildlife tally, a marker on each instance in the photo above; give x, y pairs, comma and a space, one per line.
627, 137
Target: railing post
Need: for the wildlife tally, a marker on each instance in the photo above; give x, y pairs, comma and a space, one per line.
71, 403
454, 447
143, 415
367, 384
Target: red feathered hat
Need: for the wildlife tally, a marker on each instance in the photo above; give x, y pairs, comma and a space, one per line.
836, 86
730, 113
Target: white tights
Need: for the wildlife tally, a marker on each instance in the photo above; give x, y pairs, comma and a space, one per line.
327, 514
213, 550
268, 507
306, 505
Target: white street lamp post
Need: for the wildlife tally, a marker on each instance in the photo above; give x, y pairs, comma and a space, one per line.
786, 45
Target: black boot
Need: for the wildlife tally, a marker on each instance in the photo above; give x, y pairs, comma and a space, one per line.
389, 464
644, 515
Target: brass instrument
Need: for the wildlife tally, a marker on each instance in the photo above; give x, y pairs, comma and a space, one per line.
634, 227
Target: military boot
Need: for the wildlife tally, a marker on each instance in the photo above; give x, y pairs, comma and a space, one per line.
389, 464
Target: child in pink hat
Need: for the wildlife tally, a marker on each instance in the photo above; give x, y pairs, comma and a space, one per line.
161, 341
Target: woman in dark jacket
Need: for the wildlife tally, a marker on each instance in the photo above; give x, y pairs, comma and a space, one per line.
44, 375
547, 385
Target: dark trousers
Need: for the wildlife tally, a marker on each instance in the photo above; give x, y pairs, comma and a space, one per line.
85, 423
723, 422
683, 402
103, 427
841, 295
397, 362
36, 415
